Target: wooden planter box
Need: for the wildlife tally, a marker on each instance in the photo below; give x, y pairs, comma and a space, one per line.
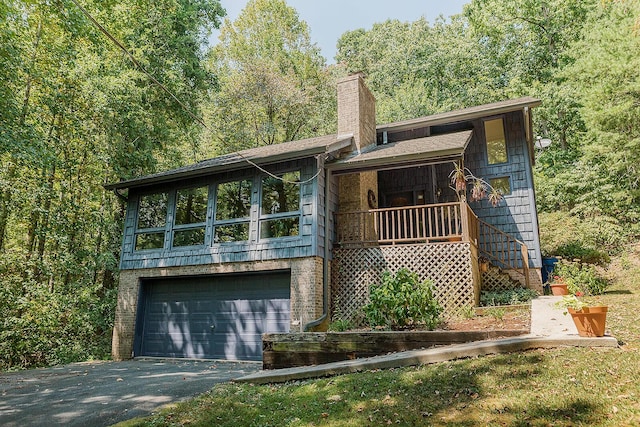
304, 349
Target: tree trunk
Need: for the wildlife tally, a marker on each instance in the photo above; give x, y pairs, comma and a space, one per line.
6, 195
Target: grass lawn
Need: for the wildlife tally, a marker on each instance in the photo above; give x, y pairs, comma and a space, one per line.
560, 387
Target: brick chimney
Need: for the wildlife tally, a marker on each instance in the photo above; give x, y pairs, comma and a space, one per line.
356, 110
357, 116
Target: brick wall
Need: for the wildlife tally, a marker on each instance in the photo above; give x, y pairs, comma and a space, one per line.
306, 293
356, 110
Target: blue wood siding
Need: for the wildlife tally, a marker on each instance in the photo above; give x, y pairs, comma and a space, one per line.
306, 244
516, 215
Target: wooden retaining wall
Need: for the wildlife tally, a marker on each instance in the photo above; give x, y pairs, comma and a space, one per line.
304, 349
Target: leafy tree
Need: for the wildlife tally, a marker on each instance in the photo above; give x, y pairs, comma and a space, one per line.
606, 80
273, 84
82, 114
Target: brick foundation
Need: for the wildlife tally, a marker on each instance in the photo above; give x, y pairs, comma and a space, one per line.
306, 293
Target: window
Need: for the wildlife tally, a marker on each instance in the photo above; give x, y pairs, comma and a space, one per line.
501, 184
152, 218
280, 206
233, 207
496, 142
190, 216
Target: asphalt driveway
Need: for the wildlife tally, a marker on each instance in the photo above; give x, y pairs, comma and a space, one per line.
104, 393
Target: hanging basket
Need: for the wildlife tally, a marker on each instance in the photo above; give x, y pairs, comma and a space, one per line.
590, 321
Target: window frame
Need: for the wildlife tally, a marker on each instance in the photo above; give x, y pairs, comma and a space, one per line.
262, 218
173, 227
508, 178
486, 144
151, 230
215, 223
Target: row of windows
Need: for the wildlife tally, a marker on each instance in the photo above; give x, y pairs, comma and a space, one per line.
183, 213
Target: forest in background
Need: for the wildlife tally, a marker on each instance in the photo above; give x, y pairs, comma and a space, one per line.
76, 112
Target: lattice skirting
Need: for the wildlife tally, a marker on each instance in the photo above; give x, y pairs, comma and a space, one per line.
495, 280
448, 265
498, 280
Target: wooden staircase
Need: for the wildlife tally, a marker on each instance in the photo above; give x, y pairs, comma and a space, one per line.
505, 253
496, 279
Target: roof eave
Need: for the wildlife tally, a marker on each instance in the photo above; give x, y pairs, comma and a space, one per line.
434, 120
398, 161
354, 164
342, 142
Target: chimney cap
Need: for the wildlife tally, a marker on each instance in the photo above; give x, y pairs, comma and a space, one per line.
353, 76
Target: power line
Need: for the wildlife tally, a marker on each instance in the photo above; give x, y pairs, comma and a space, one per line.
184, 107
260, 168
135, 61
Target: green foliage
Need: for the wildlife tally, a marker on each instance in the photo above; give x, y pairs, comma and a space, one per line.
507, 297
496, 312
340, 325
402, 301
575, 250
75, 113
581, 278
467, 312
43, 325
572, 302
272, 81
562, 232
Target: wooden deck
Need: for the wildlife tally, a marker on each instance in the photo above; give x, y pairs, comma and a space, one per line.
429, 224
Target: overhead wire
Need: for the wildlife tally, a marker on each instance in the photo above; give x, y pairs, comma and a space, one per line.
182, 105
135, 61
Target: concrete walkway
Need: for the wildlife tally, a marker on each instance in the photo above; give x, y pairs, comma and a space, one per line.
549, 328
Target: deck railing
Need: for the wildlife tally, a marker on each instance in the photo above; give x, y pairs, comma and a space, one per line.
503, 250
410, 224
444, 222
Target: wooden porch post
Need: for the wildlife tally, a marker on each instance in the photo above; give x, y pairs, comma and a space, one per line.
464, 216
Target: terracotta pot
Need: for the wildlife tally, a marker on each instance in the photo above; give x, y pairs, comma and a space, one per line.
559, 289
590, 321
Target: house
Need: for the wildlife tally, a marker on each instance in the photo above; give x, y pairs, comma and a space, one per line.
275, 238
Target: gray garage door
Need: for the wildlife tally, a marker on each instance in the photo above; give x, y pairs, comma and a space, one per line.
214, 317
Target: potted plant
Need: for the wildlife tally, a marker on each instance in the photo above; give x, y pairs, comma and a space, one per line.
558, 286
588, 317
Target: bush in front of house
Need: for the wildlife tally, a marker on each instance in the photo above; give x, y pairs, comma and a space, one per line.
507, 297
402, 301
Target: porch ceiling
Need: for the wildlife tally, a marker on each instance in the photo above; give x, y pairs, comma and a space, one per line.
430, 148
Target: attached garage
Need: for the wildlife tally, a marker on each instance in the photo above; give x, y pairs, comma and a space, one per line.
211, 317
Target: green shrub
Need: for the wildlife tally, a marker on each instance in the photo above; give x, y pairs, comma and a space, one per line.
496, 313
591, 239
576, 250
402, 301
340, 325
581, 278
508, 297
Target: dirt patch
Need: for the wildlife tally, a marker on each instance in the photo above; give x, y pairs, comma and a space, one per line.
495, 319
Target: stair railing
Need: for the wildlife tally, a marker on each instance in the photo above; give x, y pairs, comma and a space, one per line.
503, 250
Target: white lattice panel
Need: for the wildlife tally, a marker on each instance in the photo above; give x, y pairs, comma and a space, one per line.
354, 270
